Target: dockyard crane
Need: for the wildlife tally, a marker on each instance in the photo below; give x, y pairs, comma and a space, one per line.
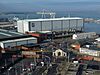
44, 13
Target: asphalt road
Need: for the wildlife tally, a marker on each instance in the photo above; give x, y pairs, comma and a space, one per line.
52, 70
80, 69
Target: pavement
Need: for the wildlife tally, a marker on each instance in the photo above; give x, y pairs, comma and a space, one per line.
52, 70
80, 69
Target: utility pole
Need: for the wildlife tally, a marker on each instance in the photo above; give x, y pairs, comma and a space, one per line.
42, 53
68, 53
35, 61
68, 56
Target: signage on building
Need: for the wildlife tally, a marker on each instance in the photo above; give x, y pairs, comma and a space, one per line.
28, 53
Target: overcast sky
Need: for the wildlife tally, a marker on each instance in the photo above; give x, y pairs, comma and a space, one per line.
32, 5
29, 1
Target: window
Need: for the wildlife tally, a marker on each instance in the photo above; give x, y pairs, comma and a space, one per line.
33, 24
54, 54
59, 53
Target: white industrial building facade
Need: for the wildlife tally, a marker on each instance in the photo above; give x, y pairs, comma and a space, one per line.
84, 35
55, 24
17, 42
9, 39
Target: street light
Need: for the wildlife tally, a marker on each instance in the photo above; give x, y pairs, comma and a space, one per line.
68, 56
42, 53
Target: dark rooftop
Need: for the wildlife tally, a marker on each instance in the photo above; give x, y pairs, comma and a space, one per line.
7, 35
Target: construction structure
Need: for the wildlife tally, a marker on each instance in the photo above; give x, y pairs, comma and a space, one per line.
51, 24
44, 13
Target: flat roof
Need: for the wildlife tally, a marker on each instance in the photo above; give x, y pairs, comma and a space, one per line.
97, 39
22, 39
9, 35
52, 19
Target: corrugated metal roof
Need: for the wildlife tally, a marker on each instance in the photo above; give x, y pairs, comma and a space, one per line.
52, 19
6, 35
30, 38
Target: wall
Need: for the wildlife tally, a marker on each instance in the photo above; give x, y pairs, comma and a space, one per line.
55, 25
84, 35
51, 25
20, 26
6, 44
89, 52
34, 26
56, 53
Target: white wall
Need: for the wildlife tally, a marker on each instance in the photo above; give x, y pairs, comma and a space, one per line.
80, 24
1, 44
46, 25
61, 53
8, 44
84, 35
25, 26
74, 36
36, 26
56, 25
21, 42
73, 24
65, 24
32, 41
20, 26
89, 52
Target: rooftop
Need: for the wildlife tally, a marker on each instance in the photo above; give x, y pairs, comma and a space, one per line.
9, 35
14, 40
50, 19
93, 47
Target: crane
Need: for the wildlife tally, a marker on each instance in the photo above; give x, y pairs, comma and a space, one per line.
44, 13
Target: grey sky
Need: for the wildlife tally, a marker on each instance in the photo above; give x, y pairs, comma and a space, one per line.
31, 5
29, 1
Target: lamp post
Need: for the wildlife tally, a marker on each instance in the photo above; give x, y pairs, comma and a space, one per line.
35, 62
68, 56
42, 53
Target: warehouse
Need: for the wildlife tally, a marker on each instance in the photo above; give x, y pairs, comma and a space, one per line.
10, 39
55, 24
89, 52
84, 35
